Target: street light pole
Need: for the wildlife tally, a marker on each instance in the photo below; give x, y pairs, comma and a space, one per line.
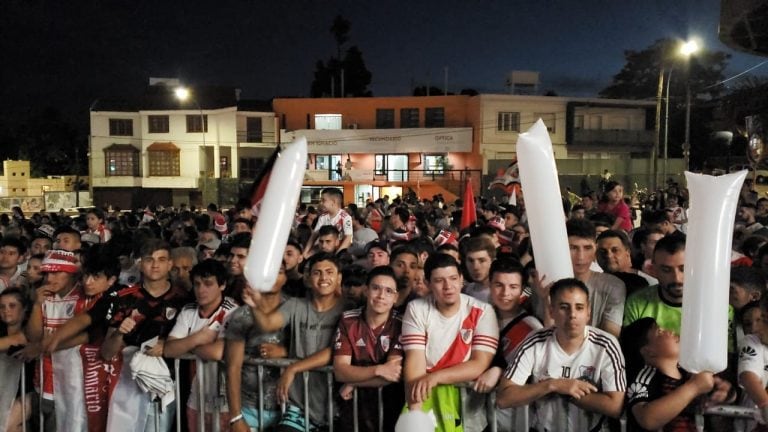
183, 94
666, 127
688, 49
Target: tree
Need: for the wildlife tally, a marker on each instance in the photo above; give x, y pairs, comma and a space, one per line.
639, 79
340, 31
328, 74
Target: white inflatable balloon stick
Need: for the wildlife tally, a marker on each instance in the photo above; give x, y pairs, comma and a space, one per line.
416, 421
704, 327
541, 189
277, 212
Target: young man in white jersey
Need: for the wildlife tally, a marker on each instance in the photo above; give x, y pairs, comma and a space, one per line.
571, 374
332, 200
448, 338
198, 331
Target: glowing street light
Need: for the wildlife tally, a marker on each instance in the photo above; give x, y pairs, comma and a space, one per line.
688, 48
183, 94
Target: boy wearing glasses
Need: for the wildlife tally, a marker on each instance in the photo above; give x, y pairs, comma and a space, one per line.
367, 353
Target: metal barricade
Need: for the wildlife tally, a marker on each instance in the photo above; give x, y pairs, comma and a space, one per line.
282, 364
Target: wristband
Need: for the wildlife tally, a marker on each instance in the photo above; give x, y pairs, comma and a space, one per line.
236, 419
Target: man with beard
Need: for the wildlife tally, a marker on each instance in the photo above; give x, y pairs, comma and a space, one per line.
664, 301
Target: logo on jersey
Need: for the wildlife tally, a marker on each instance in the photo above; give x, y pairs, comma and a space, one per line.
637, 391
384, 343
170, 313
360, 342
747, 351
587, 372
70, 309
466, 335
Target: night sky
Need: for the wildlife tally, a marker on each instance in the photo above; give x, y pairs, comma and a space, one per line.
66, 54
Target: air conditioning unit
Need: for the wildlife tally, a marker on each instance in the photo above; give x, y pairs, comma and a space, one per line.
352, 126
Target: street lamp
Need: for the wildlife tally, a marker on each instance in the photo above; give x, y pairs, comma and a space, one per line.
183, 94
688, 49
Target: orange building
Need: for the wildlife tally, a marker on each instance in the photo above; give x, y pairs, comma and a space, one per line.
371, 147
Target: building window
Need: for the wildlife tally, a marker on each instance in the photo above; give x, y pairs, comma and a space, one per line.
548, 119
409, 117
385, 118
435, 163
120, 127
197, 123
508, 122
164, 160
578, 122
434, 117
328, 121
158, 123
253, 130
330, 163
250, 167
121, 160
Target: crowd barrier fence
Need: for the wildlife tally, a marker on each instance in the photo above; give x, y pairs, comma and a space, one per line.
741, 415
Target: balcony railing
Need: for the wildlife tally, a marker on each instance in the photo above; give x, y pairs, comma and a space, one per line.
256, 137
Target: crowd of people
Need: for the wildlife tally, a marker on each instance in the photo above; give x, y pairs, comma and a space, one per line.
402, 303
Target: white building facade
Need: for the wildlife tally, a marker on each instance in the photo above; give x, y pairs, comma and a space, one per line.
172, 156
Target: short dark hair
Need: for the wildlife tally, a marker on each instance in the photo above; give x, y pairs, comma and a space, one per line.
437, 261
335, 193
748, 278
477, 244
207, 268
323, 256
670, 245
403, 250
14, 242
353, 275
401, 213
245, 221
655, 217
580, 228
507, 265
621, 235
382, 271
566, 284
153, 245
101, 259
327, 230
240, 240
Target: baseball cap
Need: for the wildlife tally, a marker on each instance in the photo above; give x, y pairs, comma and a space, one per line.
376, 244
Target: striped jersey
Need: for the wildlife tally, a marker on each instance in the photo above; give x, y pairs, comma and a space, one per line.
540, 357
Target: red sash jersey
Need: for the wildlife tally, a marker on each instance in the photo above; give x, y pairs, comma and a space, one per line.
448, 341
365, 345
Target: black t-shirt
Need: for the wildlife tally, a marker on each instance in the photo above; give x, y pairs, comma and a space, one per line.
156, 315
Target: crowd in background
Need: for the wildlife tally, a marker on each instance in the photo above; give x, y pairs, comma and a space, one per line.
394, 295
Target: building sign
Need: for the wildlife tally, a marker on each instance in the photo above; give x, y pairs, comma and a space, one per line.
427, 140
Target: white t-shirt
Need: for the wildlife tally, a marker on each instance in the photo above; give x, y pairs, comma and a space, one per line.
599, 360
189, 321
342, 221
448, 341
